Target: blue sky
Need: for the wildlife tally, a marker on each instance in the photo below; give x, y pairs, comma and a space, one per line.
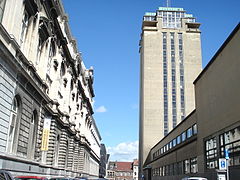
108, 34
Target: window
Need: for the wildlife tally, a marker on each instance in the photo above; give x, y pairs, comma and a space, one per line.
67, 154
174, 142
13, 125
32, 138
57, 144
231, 141
183, 136
180, 168
186, 166
211, 153
63, 69
178, 139
170, 145
52, 52
39, 50
165, 72
193, 164
2, 5
24, 27
195, 129
189, 132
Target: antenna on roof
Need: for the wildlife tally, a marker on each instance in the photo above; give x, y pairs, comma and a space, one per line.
168, 3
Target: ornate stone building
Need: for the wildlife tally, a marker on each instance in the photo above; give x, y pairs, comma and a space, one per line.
46, 94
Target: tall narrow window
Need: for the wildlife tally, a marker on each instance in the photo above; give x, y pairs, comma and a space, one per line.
12, 132
2, 6
57, 149
52, 52
24, 27
165, 83
39, 50
181, 72
173, 62
67, 154
32, 139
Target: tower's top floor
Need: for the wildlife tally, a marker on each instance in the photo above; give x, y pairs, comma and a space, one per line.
170, 17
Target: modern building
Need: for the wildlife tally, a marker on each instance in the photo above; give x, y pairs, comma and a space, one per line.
103, 161
46, 94
170, 53
197, 146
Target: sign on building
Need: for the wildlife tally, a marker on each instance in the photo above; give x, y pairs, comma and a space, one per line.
46, 133
222, 164
221, 177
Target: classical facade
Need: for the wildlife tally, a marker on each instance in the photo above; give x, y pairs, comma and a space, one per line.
170, 53
46, 94
199, 143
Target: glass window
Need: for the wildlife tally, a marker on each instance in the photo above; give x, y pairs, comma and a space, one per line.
183, 136
180, 168
186, 166
195, 129
189, 132
24, 27
33, 126
174, 142
211, 153
12, 136
39, 50
179, 139
231, 141
170, 145
194, 167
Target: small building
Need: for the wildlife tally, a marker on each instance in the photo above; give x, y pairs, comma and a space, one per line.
120, 170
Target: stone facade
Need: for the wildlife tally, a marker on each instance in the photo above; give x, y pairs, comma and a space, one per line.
46, 94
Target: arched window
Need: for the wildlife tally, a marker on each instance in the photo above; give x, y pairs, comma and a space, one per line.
32, 138
25, 21
52, 53
63, 69
39, 50
13, 125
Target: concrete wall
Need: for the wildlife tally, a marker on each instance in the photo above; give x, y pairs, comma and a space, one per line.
217, 88
151, 128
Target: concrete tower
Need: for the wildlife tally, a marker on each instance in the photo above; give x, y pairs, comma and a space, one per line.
170, 53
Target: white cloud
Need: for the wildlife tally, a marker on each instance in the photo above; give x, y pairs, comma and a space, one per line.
125, 151
101, 109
